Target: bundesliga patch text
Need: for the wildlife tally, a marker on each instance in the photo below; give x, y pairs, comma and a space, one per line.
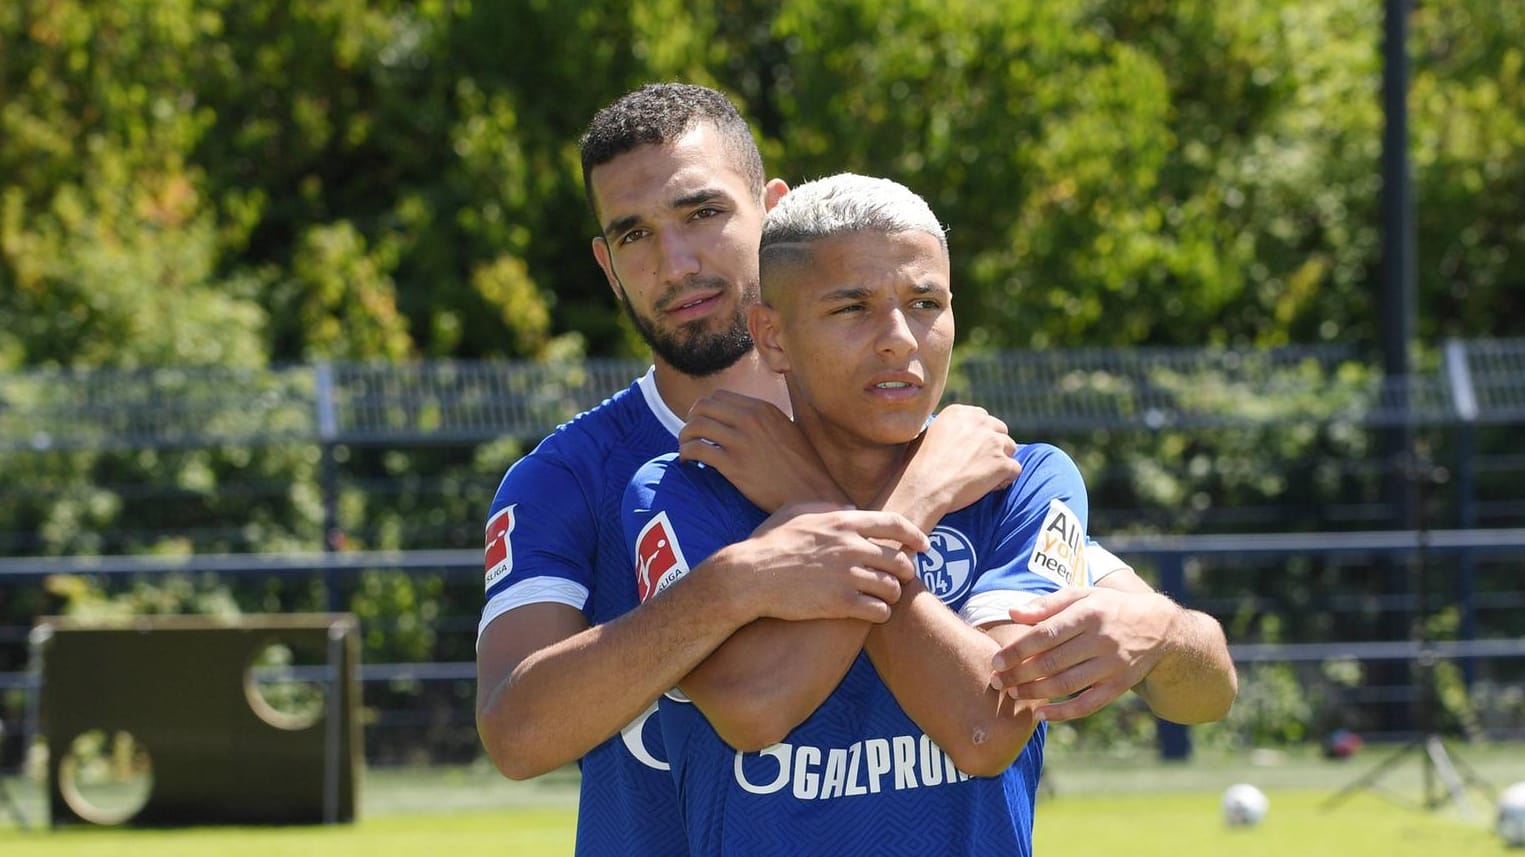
658, 558
499, 556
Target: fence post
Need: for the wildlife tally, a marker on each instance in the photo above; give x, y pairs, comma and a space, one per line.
1464, 402
1174, 739
328, 432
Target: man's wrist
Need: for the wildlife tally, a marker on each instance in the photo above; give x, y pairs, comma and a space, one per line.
723, 581
922, 508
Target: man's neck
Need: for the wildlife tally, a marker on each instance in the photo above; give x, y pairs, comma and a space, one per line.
747, 376
863, 471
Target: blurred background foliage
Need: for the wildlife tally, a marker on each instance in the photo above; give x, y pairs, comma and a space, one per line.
260, 183
255, 182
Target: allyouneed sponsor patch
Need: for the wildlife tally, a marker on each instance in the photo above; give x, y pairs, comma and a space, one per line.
1059, 553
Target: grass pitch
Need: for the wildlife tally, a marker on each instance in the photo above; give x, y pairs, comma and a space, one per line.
1096, 807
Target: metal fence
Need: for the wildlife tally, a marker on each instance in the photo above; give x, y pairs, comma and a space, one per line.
444, 401
1347, 546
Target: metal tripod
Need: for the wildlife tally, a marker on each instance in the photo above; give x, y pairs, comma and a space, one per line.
1446, 776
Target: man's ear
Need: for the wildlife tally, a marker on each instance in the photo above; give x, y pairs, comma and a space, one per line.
763, 323
601, 253
773, 191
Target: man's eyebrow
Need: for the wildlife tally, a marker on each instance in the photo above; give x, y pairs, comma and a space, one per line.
858, 293
846, 293
705, 194
688, 200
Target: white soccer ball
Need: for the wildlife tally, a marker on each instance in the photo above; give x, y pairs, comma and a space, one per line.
1244, 805
1511, 820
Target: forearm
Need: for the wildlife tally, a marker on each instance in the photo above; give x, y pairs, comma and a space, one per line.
771, 675
562, 699
921, 501
938, 668
1194, 680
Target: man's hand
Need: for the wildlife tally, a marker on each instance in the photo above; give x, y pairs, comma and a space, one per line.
962, 456
757, 448
1097, 643
829, 569
820, 561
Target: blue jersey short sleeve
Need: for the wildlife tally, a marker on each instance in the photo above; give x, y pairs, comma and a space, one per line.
553, 499
554, 536
1042, 527
675, 515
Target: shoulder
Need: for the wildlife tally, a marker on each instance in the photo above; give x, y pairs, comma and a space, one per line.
1047, 468
584, 443
598, 431
1045, 456
665, 481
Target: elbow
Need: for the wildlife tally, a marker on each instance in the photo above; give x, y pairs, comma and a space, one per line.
753, 730
983, 761
1223, 700
1206, 705
513, 754
754, 721
991, 746
519, 766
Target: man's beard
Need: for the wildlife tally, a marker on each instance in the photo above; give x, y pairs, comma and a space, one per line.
690, 348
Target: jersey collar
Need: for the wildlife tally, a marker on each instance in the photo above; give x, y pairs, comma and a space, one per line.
659, 408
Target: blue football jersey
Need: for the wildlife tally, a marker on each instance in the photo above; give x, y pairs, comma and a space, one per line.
553, 535
859, 777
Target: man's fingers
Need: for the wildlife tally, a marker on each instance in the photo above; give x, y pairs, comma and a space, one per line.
867, 608
892, 559
1058, 674
877, 584
893, 527
1083, 705
705, 452
1043, 607
704, 430
1024, 657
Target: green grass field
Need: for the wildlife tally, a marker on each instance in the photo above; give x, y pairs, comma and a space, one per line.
1094, 807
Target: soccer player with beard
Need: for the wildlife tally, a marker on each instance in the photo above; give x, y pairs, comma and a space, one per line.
566, 669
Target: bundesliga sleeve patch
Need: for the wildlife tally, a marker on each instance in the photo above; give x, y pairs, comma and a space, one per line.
658, 559
499, 558
1059, 553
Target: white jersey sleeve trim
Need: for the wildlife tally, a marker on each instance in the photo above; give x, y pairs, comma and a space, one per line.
1102, 562
659, 409
984, 608
536, 590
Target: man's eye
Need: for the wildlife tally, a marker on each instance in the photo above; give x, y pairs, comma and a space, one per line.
706, 212
632, 236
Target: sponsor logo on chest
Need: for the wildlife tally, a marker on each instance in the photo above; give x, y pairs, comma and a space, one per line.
861, 768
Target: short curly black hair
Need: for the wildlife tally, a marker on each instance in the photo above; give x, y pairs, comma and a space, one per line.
659, 113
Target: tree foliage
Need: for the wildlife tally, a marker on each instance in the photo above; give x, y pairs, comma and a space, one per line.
203, 181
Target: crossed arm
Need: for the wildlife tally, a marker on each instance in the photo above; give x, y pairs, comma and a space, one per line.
770, 675
550, 687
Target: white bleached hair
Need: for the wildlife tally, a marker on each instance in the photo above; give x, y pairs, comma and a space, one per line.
846, 203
